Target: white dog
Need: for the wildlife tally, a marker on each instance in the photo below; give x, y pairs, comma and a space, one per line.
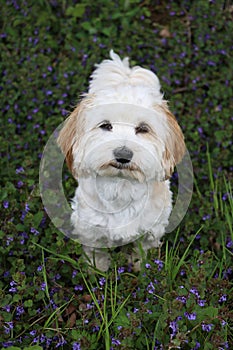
121, 143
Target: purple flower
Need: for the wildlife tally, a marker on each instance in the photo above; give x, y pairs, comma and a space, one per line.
74, 273
78, 287
121, 270
27, 208
33, 230
115, 341
222, 298
7, 308
159, 263
8, 327
19, 310
150, 288
13, 289
19, 170
201, 302
19, 184
102, 281
197, 346
148, 266
173, 328
61, 342
207, 327
33, 333
43, 286
76, 346
182, 299
6, 204
194, 291
190, 316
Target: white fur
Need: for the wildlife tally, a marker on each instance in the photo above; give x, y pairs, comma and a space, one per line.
113, 206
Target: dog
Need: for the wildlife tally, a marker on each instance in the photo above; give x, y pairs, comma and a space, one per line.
121, 144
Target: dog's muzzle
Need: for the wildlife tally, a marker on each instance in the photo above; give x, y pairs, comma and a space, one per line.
123, 155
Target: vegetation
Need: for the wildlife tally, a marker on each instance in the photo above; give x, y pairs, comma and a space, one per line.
182, 298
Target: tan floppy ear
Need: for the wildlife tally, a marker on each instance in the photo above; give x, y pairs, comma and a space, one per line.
174, 144
67, 137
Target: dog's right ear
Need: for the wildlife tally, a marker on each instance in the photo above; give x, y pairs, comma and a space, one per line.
68, 136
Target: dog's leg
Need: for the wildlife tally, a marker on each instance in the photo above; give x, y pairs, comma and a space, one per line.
97, 258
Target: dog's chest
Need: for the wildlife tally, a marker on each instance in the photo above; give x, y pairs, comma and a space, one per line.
112, 199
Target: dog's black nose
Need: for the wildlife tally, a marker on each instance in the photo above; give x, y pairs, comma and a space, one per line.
123, 154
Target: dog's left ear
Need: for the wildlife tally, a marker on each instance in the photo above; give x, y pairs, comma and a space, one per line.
174, 144
68, 136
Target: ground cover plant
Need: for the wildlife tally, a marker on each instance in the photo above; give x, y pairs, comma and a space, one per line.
182, 297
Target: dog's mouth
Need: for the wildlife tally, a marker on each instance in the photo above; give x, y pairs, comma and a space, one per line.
130, 166
124, 166
125, 170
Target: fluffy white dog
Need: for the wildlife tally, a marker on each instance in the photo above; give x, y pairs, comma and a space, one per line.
121, 144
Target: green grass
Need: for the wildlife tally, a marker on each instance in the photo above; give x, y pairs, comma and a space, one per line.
49, 297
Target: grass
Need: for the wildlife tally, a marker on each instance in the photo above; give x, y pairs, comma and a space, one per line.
182, 297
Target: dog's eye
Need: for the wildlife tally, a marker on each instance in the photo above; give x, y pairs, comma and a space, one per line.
142, 128
106, 125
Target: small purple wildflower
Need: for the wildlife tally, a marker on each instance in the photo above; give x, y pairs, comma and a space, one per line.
33, 333
159, 263
19, 170
207, 327
8, 327
13, 289
148, 266
121, 270
222, 298
34, 231
7, 308
115, 342
173, 328
150, 288
27, 208
20, 184
201, 302
19, 310
78, 287
230, 244
61, 342
76, 346
6, 204
74, 273
194, 291
190, 316
102, 281
43, 286
182, 299
197, 346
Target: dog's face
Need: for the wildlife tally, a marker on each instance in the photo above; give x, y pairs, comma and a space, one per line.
122, 132
123, 140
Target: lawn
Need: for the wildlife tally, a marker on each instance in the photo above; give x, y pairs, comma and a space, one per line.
183, 296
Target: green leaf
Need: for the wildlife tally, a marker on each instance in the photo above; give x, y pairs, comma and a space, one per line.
77, 11
28, 303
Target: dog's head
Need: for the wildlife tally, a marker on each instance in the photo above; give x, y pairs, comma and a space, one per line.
122, 127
